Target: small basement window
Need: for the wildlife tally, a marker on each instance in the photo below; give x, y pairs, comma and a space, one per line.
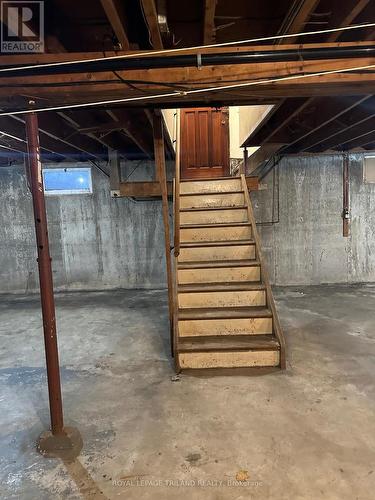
67, 180
369, 169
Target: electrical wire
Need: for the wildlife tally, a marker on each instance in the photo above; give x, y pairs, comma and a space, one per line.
187, 92
199, 47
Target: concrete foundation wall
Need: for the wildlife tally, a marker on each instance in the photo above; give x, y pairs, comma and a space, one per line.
306, 246
96, 241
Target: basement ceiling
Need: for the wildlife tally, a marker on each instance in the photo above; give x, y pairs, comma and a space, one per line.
103, 27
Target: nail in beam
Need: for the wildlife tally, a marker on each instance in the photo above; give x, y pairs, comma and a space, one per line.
63, 442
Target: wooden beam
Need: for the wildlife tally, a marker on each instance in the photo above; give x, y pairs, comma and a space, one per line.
82, 117
335, 84
355, 83
151, 15
127, 121
9, 142
115, 12
16, 128
360, 142
325, 122
103, 127
162, 177
263, 154
209, 22
167, 138
151, 189
369, 146
53, 44
114, 172
52, 125
285, 113
252, 183
352, 11
355, 116
19, 148
132, 129
346, 134
296, 19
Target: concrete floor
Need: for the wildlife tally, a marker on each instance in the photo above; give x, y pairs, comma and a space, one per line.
307, 433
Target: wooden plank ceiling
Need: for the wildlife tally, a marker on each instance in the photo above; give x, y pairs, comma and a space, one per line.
97, 28
321, 124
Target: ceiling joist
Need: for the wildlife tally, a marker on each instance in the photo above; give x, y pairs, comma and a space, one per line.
209, 21
151, 18
350, 16
333, 118
114, 10
296, 19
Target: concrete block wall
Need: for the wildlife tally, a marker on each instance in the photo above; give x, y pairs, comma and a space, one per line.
306, 245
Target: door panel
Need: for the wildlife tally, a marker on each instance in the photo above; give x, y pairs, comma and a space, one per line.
204, 143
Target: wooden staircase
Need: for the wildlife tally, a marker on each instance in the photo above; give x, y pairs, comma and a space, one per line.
224, 313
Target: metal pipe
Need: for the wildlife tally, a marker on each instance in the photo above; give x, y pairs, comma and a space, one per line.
45, 274
245, 161
246, 57
345, 195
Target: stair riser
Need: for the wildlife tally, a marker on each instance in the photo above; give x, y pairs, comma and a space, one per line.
213, 216
212, 200
219, 275
232, 359
222, 299
216, 234
233, 326
235, 252
210, 186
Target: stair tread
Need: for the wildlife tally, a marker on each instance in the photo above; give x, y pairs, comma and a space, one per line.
235, 191
205, 264
221, 287
228, 343
210, 264
209, 209
216, 243
224, 313
216, 224
212, 179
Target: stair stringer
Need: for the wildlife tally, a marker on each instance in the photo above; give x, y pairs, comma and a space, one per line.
277, 330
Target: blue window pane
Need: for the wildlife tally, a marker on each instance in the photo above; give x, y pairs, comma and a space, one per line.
67, 181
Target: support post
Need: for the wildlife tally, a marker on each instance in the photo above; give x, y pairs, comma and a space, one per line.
243, 168
162, 178
62, 442
114, 172
345, 195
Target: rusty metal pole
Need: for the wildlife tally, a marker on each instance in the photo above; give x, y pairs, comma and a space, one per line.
60, 442
45, 275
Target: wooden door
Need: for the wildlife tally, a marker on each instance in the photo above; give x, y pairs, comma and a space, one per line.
204, 143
